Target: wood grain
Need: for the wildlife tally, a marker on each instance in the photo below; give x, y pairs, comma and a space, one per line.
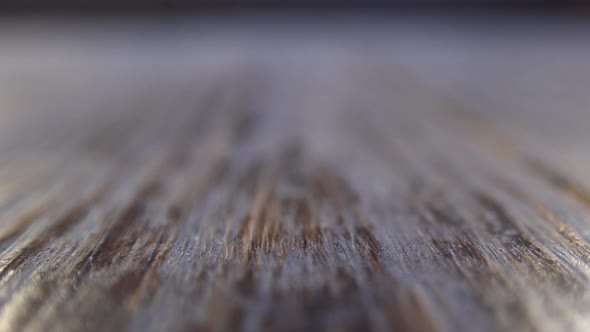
248, 180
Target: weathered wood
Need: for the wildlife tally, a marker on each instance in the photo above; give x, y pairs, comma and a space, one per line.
236, 180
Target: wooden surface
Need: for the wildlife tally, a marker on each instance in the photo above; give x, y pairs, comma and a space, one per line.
240, 176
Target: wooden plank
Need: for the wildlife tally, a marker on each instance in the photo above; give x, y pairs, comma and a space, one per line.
239, 181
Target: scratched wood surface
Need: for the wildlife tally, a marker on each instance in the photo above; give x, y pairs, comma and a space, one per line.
262, 176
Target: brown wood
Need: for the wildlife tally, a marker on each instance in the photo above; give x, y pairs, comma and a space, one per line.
257, 177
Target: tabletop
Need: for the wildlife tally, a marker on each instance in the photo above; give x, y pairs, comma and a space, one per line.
286, 174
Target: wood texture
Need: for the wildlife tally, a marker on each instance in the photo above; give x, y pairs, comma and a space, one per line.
262, 177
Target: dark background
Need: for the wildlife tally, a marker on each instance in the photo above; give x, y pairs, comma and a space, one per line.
191, 6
